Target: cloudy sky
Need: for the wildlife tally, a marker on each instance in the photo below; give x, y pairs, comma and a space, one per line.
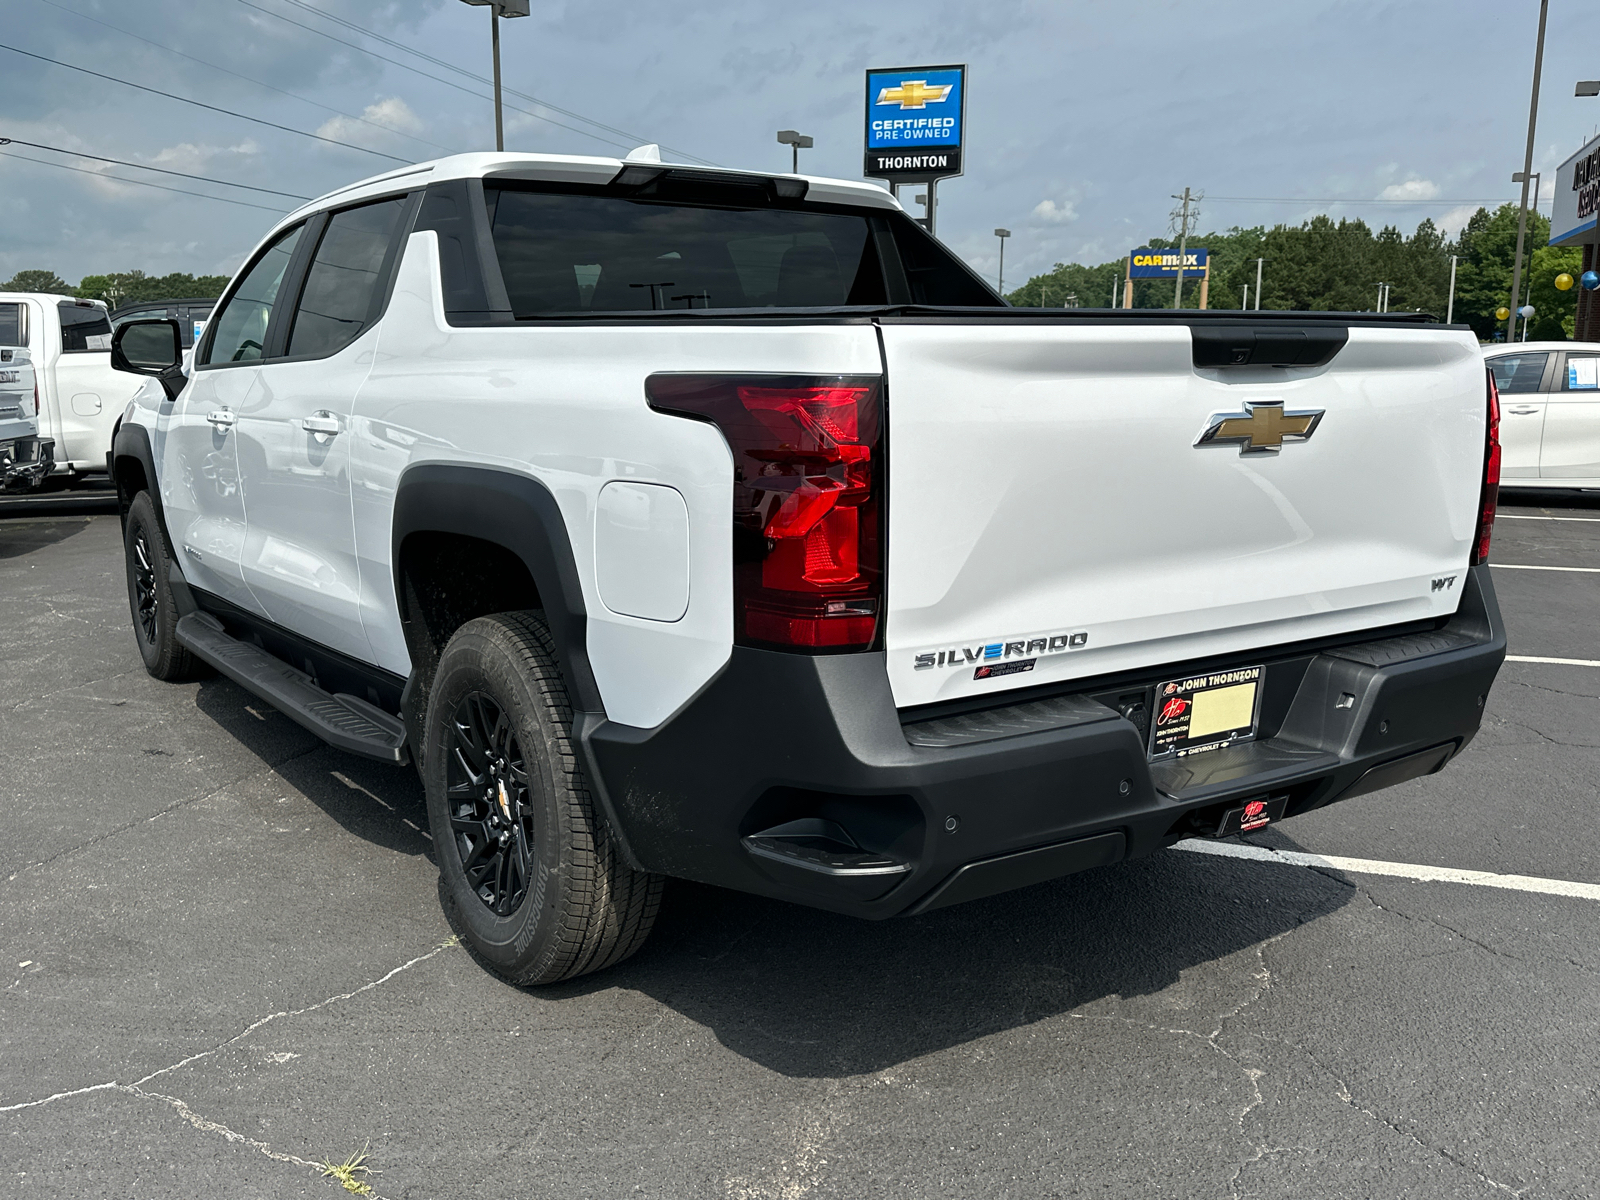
1084, 115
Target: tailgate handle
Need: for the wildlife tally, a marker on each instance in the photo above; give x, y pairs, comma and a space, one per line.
1242, 344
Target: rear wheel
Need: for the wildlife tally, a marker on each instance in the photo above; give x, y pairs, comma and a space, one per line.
530, 871
155, 617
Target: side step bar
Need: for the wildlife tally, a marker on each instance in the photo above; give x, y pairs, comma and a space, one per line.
347, 722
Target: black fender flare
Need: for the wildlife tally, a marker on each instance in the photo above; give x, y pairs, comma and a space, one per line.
519, 513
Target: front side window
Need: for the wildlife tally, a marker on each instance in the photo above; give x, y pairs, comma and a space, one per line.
567, 253
341, 295
1583, 372
13, 329
242, 325
1515, 373
84, 328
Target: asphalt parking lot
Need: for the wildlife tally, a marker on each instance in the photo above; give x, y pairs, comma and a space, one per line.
222, 960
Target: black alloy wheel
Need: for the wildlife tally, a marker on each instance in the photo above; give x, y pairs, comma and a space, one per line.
150, 600
491, 815
146, 604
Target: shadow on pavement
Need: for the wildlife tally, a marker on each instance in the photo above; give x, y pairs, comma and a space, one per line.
24, 537
1512, 497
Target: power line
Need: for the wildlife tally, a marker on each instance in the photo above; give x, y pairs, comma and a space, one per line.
5, 141
449, 66
201, 104
247, 79
138, 182
1346, 200
416, 71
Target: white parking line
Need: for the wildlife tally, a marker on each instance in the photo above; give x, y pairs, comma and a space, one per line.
1560, 662
1505, 516
1521, 567
1370, 866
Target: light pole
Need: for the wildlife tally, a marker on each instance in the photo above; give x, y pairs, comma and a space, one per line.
797, 141
498, 9
1588, 87
1450, 309
1527, 170
1002, 234
1259, 261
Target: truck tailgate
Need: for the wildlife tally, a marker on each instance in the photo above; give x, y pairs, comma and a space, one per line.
1046, 489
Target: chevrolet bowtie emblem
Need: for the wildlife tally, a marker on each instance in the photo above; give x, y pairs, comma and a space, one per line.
1262, 428
915, 93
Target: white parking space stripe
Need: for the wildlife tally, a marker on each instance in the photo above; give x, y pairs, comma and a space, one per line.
1560, 662
1505, 516
1371, 866
1521, 567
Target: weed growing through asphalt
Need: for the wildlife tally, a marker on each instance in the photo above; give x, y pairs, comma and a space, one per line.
349, 1172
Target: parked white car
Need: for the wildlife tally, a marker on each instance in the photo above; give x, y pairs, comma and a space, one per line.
25, 458
80, 396
726, 526
1549, 413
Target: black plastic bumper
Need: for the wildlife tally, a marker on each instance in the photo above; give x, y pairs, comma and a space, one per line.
795, 777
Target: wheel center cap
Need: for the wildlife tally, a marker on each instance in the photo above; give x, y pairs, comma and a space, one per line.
504, 797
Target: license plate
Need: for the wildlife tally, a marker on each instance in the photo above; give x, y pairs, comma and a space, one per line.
1205, 712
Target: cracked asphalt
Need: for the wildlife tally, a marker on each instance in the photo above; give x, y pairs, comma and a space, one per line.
222, 961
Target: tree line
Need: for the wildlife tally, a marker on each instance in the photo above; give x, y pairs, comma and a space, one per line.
1327, 265
126, 287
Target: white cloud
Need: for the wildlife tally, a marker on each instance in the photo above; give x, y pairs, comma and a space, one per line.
392, 113
1456, 219
1411, 189
1052, 213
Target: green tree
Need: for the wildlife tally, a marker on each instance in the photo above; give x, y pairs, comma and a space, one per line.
37, 281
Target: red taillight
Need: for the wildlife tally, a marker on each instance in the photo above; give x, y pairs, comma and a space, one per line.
1491, 477
807, 473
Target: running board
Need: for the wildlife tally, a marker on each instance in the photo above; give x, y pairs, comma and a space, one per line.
346, 722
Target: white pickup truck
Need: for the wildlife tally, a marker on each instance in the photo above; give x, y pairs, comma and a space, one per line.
25, 457
80, 396
721, 525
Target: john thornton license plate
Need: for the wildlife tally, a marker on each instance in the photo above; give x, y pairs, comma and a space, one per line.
1205, 712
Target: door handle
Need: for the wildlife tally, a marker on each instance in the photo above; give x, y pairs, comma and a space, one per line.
221, 418
1523, 412
322, 423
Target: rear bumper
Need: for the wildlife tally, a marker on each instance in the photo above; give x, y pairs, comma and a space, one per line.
794, 777
25, 461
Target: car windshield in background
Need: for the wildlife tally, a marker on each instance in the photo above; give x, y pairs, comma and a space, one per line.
584, 253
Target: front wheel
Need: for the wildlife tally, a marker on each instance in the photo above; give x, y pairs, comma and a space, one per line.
155, 616
530, 871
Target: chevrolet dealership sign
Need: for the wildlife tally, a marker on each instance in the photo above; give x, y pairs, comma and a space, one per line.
915, 121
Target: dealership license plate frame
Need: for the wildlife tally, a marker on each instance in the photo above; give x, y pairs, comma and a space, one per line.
1218, 699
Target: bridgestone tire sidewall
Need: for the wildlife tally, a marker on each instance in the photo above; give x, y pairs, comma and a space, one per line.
523, 945
164, 654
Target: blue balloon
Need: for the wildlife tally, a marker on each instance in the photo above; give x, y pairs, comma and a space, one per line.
1590, 280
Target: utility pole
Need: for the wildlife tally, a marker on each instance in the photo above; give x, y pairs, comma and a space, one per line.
1527, 171
1259, 261
1245, 307
1450, 309
1002, 234
1183, 248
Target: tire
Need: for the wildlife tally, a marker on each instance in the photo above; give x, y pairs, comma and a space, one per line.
155, 616
531, 875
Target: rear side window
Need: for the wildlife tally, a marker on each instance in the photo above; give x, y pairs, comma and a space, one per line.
342, 292
564, 253
84, 329
12, 330
933, 274
241, 327
1515, 373
1583, 372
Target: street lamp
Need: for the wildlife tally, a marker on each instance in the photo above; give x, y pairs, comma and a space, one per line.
498, 9
1527, 169
1588, 87
799, 141
1002, 234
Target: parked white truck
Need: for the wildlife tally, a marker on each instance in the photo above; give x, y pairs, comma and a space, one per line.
721, 525
80, 396
25, 457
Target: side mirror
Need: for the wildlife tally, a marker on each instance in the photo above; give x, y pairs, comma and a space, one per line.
150, 347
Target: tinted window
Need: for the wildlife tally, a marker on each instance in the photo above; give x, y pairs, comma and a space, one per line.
11, 325
586, 253
242, 325
84, 328
340, 297
1518, 372
1583, 372
933, 274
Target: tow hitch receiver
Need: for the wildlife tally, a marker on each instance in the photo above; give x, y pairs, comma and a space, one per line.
1255, 813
